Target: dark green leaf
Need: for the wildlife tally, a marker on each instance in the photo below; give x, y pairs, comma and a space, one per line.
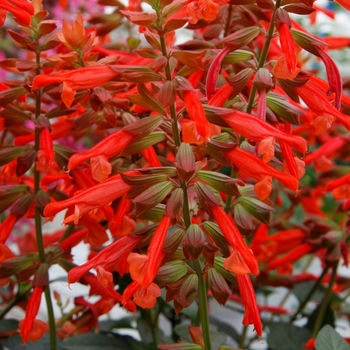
287, 337
329, 339
8, 325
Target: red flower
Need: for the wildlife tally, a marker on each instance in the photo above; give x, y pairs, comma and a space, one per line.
197, 114
334, 78
288, 46
251, 312
256, 129
291, 257
7, 226
253, 167
21, 9
94, 197
45, 155
76, 79
108, 147
319, 104
242, 259
114, 253
31, 312
155, 251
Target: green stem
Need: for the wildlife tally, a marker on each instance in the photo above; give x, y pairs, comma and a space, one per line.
154, 326
37, 215
310, 294
243, 337
263, 55
203, 307
325, 302
67, 233
228, 20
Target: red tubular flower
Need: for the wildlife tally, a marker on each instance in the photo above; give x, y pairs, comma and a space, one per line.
221, 96
251, 312
76, 79
319, 104
151, 157
334, 77
31, 312
74, 239
108, 147
94, 197
121, 225
288, 46
45, 155
7, 226
327, 149
292, 256
256, 129
344, 3
321, 85
245, 261
337, 42
110, 255
145, 298
21, 9
197, 114
344, 180
254, 167
155, 251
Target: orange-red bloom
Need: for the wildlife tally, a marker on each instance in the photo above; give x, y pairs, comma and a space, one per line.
21, 9
256, 129
155, 251
94, 197
319, 104
197, 114
288, 46
115, 252
242, 259
76, 79
31, 312
251, 312
45, 155
253, 167
108, 147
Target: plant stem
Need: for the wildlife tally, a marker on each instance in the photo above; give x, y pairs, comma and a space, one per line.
325, 302
154, 326
243, 336
310, 294
37, 216
263, 55
203, 307
228, 20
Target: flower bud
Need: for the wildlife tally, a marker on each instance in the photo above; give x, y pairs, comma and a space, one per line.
194, 242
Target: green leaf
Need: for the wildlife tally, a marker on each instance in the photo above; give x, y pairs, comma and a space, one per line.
93, 341
8, 325
329, 339
145, 142
287, 337
109, 325
16, 343
301, 290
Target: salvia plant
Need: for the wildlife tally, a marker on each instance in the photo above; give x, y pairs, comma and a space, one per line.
193, 170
